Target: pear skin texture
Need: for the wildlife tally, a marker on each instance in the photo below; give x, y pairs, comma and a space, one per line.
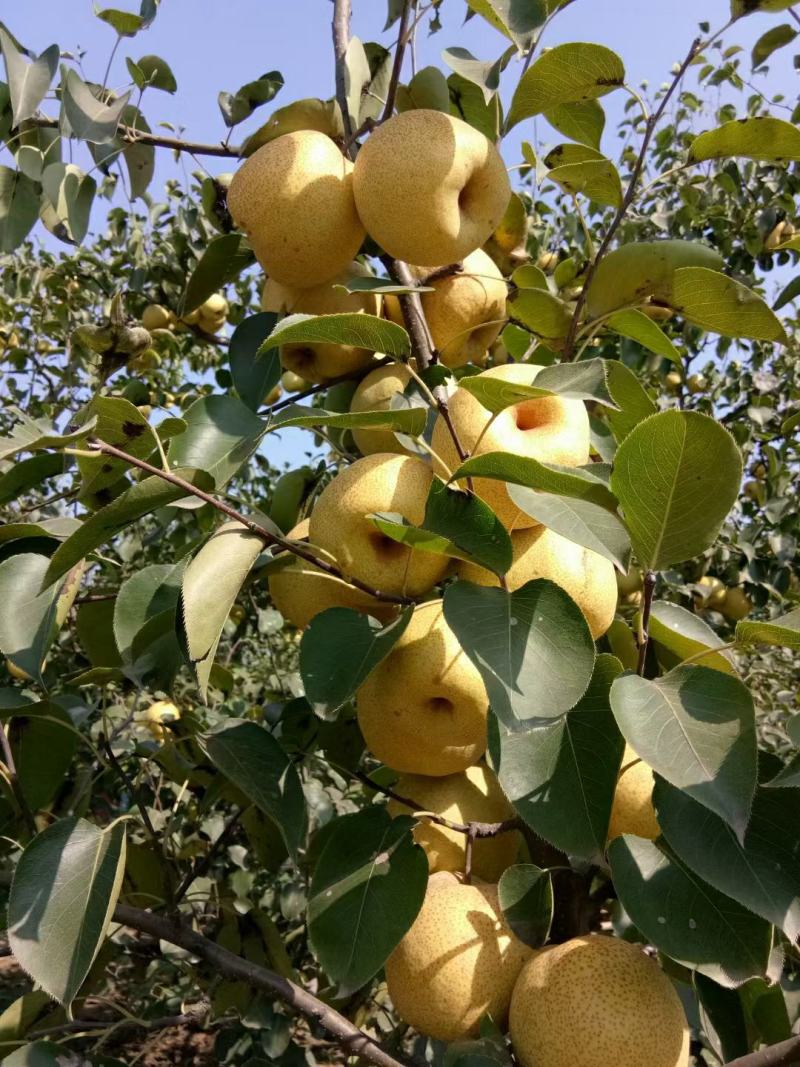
539, 552
339, 523
465, 311
430, 188
474, 795
551, 429
293, 198
300, 591
632, 811
597, 1001
423, 709
319, 362
458, 961
374, 393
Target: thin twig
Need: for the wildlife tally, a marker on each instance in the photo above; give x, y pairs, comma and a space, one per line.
132, 136
397, 66
341, 40
227, 964
203, 863
644, 626
78, 1026
780, 1055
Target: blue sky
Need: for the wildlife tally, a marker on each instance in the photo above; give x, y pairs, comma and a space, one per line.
212, 46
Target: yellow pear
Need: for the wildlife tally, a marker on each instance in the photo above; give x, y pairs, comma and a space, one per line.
293, 198
292, 382
550, 429
213, 313
711, 594
340, 523
539, 552
596, 1001
423, 709
632, 811
300, 590
430, 188
159, 713
473, 795
737, 604
465, 312
673, 381
157, 317
457, 963
374, 393
318, 362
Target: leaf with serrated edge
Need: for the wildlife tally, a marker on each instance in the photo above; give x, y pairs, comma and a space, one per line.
684, 634
716, 302
351, 328
638, 327
784, 631
566, 74
759, 137
525, 892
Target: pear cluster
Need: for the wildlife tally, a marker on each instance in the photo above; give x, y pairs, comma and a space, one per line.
430, 190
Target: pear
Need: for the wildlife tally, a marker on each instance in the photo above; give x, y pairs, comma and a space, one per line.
551, 429
340, 523
711, 594
423, 709
157, 317
473, 795
300, 590
457, 963
737, 605
585, 575
596, 1001
156, 715
375, 393
632, 811
293, 198
630, 582
429, 187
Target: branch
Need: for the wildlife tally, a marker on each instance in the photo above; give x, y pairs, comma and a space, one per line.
627, 200
397, 66
203, 863
341, 39
260, 531
644, 626
78, 1026
226, 963
132, 136
321, 388
780, 1055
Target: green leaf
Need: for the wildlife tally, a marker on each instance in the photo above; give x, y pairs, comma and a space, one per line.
696, 728
64, 891
366, 890
88, 119
427, 89
141, 499
783, 631
43, 742
126, 23
71, 194
253, 376
540, 312
684, 634
250, 757
676, 475
36, 1054
722, 1018
532, 647
719, 303
771, 41
759, 137
238, 106
686, 918
211, 583
763, 873
525, 892
577, 168
221, 434
223, 260
583, 121
467, 102
145, 623
338, 650
30, 474
376, 284
585, 380
94, 626
631, 398
638, 327
351, 328
31, 435
788, 294
514, 20
561, 777
750, 7
567, 74
19, 208
575, 482
152, 72
408, 420
28, 624
117, 422
27, 82
484, 74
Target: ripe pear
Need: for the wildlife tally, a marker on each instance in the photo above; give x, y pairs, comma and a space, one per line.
673, 381
457, 963
465, 311
213, 313
429, 187
157, 317
300, 590
423, 709
340, 523
474, 795
697, 383
374, 393
632, 811
737, 604
292, 382
318, 362
159, 713
596, 1001
551, 429
294, 200
711, 593
539, 552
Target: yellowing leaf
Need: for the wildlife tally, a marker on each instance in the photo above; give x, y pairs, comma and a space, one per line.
567, 74
761, 137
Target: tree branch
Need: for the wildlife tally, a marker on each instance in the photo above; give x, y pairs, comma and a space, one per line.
132, 136
260, 531
627, 200
226, 963
644, 627
780, 1055
77, 1026
341, 39
397, 66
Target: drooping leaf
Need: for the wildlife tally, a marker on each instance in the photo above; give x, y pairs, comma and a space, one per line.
630, 397
238, 106
32, 435
366, 890
85, 115
540, 312
771, 41
638, 327
566, 74
750, 7
126, 23
152, 72
28, 82
468, 103
683, 634
719, 303
223, 260
695, 727
19, 207
783, 631
43, 742
583, 121
532, 647
351, 328
676, 476
71, 194
518, 22
65, 889
254, 376
149, 592
29, 474
684, 917
220, 436
409, 420
561, 777
28, 623
575, 482
759, 137
525, 892
484, 74
250, 757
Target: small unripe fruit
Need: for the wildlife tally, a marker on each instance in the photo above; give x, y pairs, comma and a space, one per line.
292, 382
673, 381
696, 383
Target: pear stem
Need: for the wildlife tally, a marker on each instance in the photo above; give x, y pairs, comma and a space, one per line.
644, 625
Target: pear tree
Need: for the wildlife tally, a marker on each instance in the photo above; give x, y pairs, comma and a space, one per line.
471, 735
